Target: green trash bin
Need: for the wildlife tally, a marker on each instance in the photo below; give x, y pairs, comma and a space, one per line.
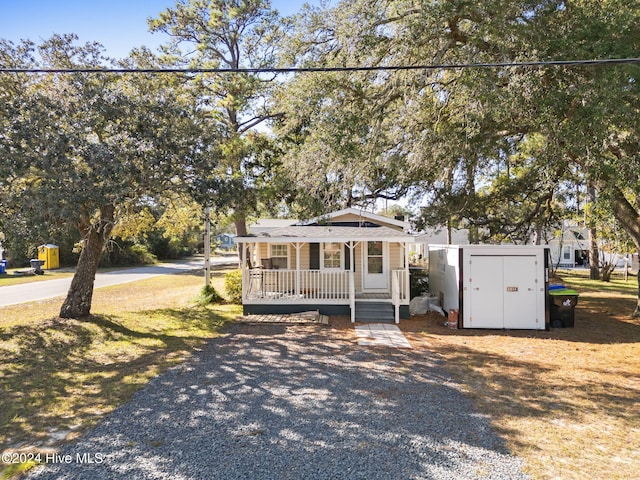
563, 304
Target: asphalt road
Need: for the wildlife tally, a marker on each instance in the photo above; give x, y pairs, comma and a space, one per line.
31, 292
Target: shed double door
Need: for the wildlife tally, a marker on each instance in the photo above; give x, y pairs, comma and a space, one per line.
502, 292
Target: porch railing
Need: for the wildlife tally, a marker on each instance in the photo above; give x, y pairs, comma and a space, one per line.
280, 286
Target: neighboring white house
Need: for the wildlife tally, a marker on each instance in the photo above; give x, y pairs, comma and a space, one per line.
348, 262
571, 248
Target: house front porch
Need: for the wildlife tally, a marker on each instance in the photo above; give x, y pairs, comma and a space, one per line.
330, 292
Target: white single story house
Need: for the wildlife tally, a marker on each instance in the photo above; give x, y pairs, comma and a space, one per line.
348, 262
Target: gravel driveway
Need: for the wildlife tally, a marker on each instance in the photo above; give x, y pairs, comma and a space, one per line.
304, 402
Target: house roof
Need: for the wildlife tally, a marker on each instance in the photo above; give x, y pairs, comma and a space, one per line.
375, 218
265, 224
328, 233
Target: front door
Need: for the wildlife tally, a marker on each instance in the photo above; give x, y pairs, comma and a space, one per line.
376, 269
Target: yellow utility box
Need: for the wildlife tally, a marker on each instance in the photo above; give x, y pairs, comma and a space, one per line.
51, 256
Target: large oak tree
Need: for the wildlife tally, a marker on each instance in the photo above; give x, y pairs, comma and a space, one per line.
83, 148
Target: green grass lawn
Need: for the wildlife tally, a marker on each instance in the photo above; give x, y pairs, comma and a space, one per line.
579, 280
59, 377
10, 278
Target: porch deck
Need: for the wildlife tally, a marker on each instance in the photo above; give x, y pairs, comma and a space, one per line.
311, 288
302, 318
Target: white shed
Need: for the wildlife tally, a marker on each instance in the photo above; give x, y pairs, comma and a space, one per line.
492, 286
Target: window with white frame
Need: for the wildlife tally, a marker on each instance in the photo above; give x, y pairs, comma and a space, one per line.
280, 256
566, 252
332, 256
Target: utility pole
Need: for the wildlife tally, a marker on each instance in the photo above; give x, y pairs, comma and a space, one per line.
207, 246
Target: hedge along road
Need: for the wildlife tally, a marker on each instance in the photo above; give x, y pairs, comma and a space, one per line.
31, 292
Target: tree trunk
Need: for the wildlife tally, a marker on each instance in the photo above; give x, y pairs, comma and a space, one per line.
636, 312
241, 231
474, 236
629, 218
594, 260
537, 236
627, 215
607, 270
78, 302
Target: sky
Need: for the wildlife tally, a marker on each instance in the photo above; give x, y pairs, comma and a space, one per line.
119, 25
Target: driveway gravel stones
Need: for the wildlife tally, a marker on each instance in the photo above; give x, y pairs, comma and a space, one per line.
293, 402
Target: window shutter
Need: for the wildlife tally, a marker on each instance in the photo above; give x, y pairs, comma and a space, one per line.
347, 258
314, 256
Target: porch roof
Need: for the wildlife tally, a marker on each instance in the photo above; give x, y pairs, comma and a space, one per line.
328, 233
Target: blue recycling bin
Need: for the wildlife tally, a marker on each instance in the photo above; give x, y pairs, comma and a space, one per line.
3, 266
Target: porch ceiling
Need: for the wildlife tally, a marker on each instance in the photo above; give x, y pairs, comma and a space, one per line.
328, 233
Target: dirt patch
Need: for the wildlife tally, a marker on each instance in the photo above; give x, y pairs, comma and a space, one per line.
565, 400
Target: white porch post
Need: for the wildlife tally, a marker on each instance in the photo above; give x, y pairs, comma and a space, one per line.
396, 309
407, 280
352, 281
298, 247
245, 274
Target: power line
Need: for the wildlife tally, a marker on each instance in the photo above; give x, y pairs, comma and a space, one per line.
445, 66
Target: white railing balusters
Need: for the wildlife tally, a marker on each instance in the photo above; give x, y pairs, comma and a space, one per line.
281, 286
